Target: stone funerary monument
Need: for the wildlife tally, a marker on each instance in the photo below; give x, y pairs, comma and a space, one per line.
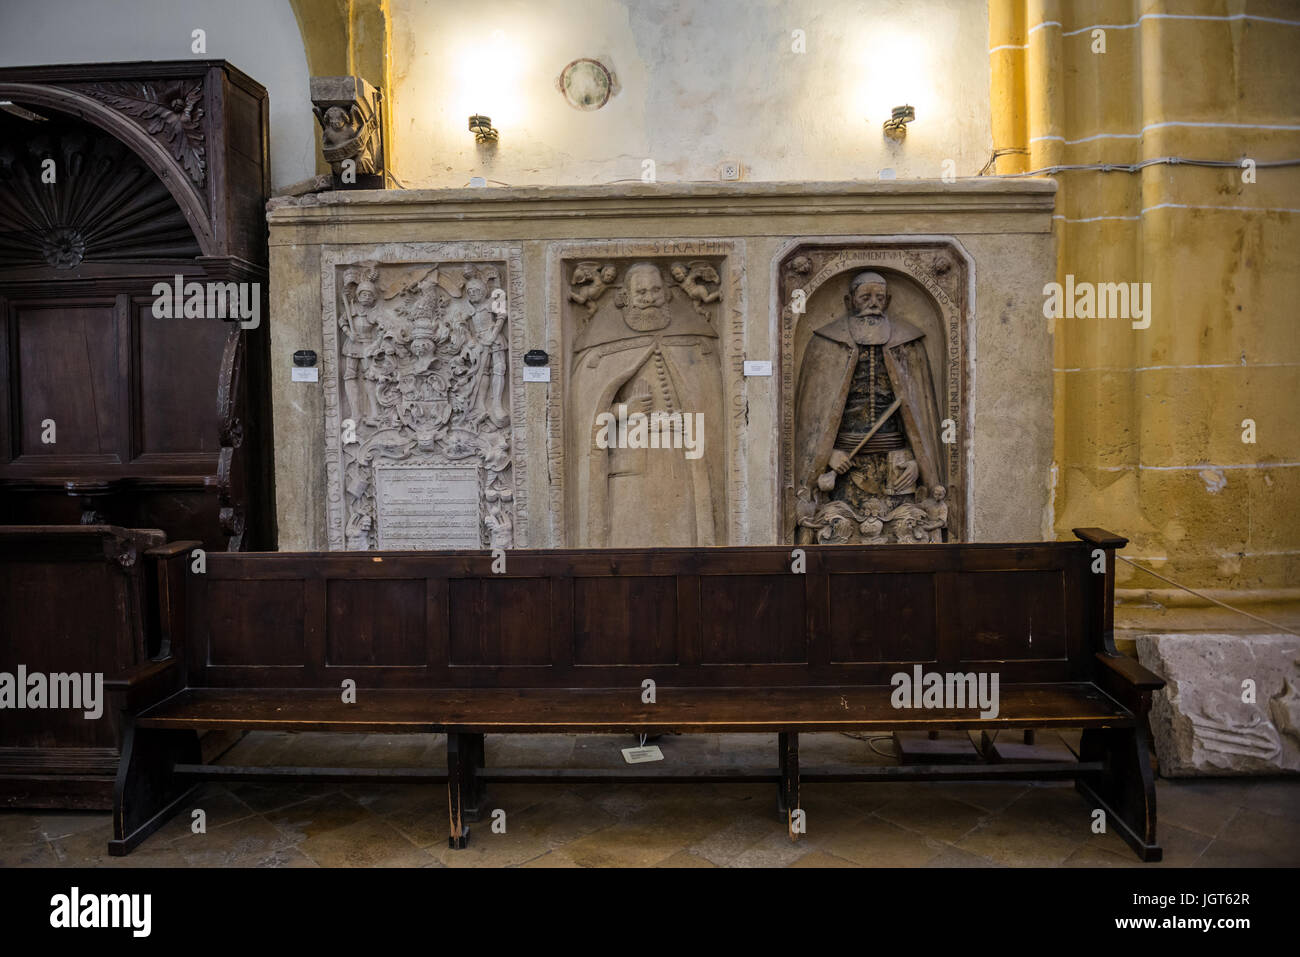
876, 373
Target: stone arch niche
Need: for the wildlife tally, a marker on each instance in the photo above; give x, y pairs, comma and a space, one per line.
836, 388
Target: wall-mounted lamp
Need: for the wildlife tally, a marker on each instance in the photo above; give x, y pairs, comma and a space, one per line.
481, 127
896, 125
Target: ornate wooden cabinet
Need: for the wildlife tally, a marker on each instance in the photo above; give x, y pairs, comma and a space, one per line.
115, 178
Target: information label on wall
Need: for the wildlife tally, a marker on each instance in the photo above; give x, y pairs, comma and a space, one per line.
427, 506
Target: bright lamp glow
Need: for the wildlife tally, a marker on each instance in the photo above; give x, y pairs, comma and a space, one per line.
488, 74
890, 68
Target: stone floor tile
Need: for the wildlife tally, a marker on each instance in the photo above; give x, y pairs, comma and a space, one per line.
1255, 839
29, 855
317, 815
724, 845
624, 845
775, 850
557, 858
822, 859
279, 794
1280, 796
19, 827
239, 844
874, 842
371, 842
956, 857
1041, 828
1193, 805
933, 815
55, 825
220, 807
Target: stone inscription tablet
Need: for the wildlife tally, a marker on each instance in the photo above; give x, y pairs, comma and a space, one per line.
428, 507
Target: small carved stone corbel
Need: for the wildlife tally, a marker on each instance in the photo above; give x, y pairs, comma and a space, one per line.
350, 113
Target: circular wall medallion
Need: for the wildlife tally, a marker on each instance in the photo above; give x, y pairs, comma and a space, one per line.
586, 84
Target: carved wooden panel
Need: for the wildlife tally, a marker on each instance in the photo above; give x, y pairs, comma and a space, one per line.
375, 623
889, 617
625, 621
502, 621
67, 362
1016, 615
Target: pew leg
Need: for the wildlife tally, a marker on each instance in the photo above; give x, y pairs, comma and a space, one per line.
460, 785
1125, 789
146, 792
475, 795
788, 791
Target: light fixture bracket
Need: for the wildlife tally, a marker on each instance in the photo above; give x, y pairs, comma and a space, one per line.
896, 126
481, 127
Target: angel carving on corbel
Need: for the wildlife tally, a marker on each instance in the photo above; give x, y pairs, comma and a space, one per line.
347, 134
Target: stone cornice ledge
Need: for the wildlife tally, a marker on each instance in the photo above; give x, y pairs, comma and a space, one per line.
692, 200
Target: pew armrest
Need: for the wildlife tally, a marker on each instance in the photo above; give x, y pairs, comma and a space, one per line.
1133, 672
1127, 681
172, 549
140, 675
1100, 537
145, 684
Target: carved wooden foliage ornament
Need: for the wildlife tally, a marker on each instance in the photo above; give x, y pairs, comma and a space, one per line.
169, 111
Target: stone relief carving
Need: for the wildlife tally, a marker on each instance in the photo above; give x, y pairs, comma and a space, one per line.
424, 410
867, 425
589, 282
652, 348
1203, 723
868, 385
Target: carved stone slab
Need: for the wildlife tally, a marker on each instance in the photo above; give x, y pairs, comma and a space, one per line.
659, 325
1199, 721
930, 287
427, 506
422, 396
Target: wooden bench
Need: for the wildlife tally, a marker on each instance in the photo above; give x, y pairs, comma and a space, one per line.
734, 639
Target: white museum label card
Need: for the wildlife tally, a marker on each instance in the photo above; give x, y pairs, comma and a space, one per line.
758, 367
308, 374
641, 755
537, 373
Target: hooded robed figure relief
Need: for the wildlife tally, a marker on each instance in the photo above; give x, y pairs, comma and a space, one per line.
643, 351
868, 462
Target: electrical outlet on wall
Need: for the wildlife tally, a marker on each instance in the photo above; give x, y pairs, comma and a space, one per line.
729, 170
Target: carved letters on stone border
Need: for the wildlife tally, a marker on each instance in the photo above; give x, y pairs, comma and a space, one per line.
873, 377
419, 398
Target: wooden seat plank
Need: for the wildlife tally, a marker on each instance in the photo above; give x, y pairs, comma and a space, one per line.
587, 710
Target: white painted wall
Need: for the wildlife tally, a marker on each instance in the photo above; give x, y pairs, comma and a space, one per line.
260, 37
702, 81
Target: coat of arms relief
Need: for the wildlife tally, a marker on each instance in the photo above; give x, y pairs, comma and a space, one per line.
425, 450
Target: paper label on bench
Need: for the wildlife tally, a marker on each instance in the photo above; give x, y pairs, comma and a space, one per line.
641, 755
